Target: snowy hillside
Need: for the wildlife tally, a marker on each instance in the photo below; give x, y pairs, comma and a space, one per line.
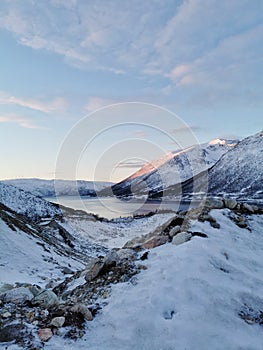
240, 171
203, 294
173, 169
27, 255
51, 188
25, 203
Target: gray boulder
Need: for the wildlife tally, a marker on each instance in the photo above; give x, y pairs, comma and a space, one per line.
181, 238
17, 295
46, 299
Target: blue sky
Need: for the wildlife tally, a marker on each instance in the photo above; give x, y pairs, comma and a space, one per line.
62, 60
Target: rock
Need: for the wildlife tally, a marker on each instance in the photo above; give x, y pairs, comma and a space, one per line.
241, 224
247, 208
5, 287
6, 314
215, 224
58, 322
181, 237
230, 203
198, 234
11, 332
127, 254
30, 316
111, 259
67, 271
34, 289
214, 203
44, 334
155, 241
17, 295
174, 231
82, 309
46, 299
94, 270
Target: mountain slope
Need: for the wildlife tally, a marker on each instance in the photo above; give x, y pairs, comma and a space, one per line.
26, 203
51, 188
173, 169
240, 171
204, 294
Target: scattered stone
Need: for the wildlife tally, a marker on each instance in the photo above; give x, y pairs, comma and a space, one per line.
111, 259
83, 310
11, 332
46, 299
17, 295
155, 241
127, 254
30, 316
199, 234
230, 203
181, 237
44, 334
248, 208
58, 322
215, 224
174, 231
142, 267
6, 314
67, 271
5, 287
214, 203
144, 256
94, 270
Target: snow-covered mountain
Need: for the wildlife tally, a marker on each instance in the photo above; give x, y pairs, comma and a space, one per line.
26, 203
240, 170
51, 188
174, 168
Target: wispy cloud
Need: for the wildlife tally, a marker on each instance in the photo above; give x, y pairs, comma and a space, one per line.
55, 105
200, 46
19, 120
130, 164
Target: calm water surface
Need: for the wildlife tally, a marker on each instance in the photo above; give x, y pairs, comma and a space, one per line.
113, 208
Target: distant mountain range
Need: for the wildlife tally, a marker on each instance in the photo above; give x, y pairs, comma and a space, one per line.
52, 188
218, 167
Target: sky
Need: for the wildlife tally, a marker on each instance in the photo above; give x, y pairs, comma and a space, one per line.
173, 73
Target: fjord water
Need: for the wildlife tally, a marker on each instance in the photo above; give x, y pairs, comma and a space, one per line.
111, 207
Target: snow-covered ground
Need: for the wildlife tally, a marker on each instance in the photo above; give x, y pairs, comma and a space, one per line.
115, 233
190, 296
25, 258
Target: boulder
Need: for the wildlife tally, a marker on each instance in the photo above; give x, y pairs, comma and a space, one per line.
127, 254
46, 299
111, 259
58, 322
230, 203
93, 269
17, 295
44, 334
83, 310
181, 238
214, 203
247, 208
174, 231
154, 242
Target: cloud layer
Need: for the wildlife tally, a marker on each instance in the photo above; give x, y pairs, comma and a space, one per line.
206, 50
